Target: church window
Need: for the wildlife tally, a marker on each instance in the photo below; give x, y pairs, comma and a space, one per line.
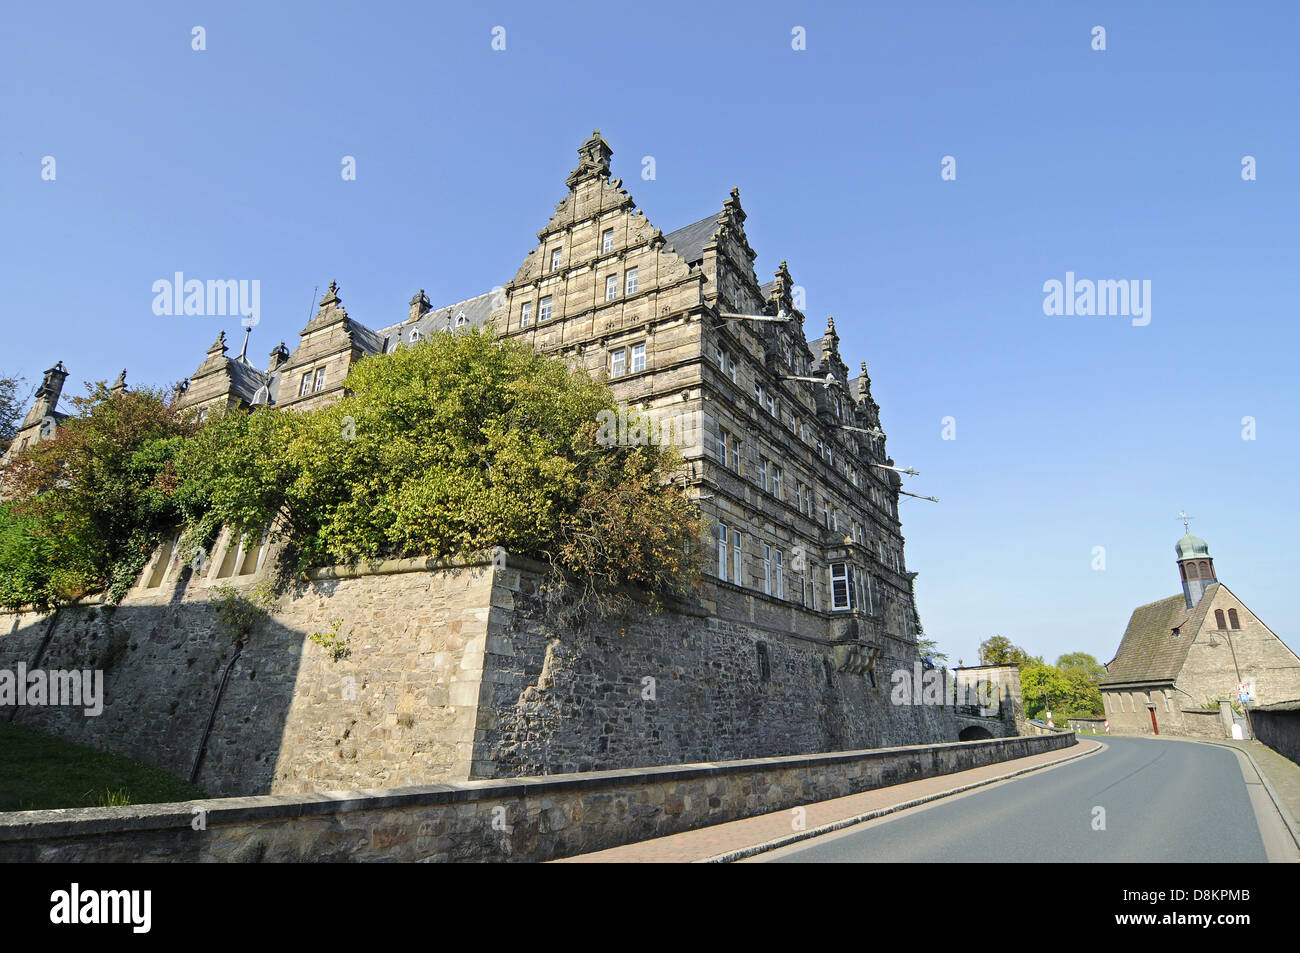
544, 311
1218, 619
611, 287
841, 586
1191, 571
618, 363
318, 382
304, 387
607, 241
555, 259
638, 358
630, 282
526, 314
1233, 620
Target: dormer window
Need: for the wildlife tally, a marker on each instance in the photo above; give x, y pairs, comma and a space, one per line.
461, 320
414, 335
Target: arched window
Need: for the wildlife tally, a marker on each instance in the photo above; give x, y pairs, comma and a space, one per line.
1232, 618
1191, 571
461, 320
414, 335
1218, 619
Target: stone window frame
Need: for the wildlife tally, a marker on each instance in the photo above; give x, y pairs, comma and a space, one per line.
557, 259
1234, 621
762, 472
735, 446
737, 552
545, 309
636, 352
776, 481
630, 282
723, 559
525, 314
304, 385
767, 569
318, 380
779, 559
611, 287
618, 363
1219, 620
607, 241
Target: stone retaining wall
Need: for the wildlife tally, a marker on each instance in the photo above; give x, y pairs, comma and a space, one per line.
520, 819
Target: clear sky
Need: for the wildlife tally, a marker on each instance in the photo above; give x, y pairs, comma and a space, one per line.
1072, 432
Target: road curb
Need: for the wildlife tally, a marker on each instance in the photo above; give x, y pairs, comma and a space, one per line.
1292, 827
744, 852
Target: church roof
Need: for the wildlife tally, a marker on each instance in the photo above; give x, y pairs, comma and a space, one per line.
1150, 651
689, 241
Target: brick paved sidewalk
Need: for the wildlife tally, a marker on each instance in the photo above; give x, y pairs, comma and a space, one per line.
723, 841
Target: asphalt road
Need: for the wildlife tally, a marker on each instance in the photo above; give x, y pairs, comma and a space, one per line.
1164, 801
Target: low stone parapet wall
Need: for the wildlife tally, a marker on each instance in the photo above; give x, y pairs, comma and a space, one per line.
519, 819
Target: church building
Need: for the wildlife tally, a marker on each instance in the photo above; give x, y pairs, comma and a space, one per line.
1183, 659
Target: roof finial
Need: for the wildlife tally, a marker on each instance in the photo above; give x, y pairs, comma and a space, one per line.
1182, 515
119, 385
243, 352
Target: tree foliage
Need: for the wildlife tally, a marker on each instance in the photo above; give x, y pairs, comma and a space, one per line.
998, 650
84, 509
457, 445
10, 409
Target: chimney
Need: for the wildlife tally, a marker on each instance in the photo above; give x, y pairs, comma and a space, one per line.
419, 306
278, 356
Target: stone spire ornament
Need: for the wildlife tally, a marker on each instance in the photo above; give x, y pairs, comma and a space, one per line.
119, 385
593, 160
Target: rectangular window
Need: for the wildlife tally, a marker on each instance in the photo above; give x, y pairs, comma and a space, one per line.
776, 481
767, 569
735, 558
826, 514
835, 520
731, 369
638, 358
544, 312
526, 314
305, 387
771, 405
762, 473
721, 357
555, 259
611, 287
607, 241
630, 283
618, 363
871, 598
735, 454
722, 447
722, 552
780, 574
841, 587
318, 382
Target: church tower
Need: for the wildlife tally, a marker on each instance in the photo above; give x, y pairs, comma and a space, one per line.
1195, 566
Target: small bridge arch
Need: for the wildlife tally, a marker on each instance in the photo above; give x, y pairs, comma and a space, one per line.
974, 733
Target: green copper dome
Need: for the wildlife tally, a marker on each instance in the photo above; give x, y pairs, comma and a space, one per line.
1192, 547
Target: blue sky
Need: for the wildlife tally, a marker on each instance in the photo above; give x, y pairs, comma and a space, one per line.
1072, 432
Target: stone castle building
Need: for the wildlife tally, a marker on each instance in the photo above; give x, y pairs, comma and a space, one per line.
783, 447
1182, 658
455, 671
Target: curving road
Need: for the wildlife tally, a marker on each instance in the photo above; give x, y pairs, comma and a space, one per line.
1163, 800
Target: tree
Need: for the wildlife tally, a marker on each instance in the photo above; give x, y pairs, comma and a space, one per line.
10, 409
458, 444
85, 508
1084, 663
1069, 693
998, 650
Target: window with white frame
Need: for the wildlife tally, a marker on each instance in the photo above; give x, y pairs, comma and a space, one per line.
637, 360
618, 363
525, 314
630, 282
721, 446
544, 310
722, 551
607, 241
461, 320
318, 382
304, 388
735, 452
556, 254
762, 473
767, 569
779, 563
611, 287
736, 576
841, 587
776, 481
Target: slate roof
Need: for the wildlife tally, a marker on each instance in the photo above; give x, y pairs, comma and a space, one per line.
477, 310
1150, 651
245, 379
688, 242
